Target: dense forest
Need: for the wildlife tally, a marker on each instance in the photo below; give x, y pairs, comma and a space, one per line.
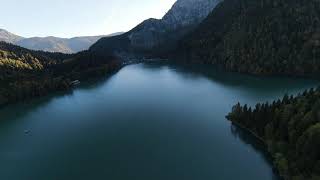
290, 128
259, 37
25, 73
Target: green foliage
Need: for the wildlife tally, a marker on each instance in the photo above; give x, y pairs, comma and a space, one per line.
259, 37
25, 73
290, 129
281, 163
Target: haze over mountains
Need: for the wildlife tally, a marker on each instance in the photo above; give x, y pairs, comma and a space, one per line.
52, 44
152, 34
9, 37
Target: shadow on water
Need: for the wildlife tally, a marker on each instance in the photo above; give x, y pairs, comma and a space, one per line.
246, 81
96, 82
254, 143
21, 109
188, 71
269, 88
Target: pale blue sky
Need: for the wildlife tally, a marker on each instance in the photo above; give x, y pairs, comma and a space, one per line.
68, 18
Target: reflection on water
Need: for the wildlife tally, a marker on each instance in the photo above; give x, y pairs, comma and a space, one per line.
148, 121
253, 142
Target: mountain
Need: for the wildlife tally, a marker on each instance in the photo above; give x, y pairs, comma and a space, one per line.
156, 34
290, 129
52, 44
27, 73
9, 37
259, 37
188, 12
15, 60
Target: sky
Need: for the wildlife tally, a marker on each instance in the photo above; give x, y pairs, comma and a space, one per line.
70, 18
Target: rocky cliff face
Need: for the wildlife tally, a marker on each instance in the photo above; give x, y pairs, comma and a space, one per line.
151, 34
188, 12
183, 14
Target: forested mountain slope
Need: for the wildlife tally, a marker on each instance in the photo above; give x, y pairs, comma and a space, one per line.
259, 37
15, 60
290, 129
25, 73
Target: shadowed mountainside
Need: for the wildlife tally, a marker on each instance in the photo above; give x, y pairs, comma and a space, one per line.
258, 37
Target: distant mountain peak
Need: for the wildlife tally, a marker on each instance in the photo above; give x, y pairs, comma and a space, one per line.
189, 12
51, 43
6, 36
184, 16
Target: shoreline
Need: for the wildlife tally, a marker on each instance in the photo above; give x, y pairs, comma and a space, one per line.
239, 125
68, 80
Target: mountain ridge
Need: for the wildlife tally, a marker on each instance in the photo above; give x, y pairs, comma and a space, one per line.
9, 37
155, 34
52, 43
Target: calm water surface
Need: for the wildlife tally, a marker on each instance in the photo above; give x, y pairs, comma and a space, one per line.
147, 122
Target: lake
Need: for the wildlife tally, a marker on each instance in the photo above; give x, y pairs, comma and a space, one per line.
149, 121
